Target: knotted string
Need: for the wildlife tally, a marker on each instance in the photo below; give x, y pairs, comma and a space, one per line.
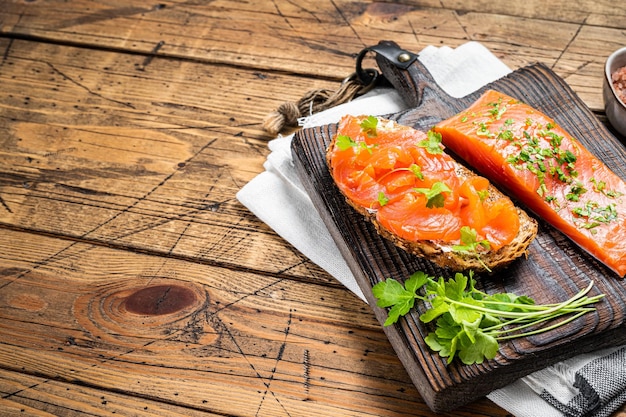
315, 101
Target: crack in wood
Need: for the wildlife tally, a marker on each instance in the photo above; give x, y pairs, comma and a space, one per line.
306, 364
150, 56
87, 89
102, 15
279, 356
5, 205
128, 208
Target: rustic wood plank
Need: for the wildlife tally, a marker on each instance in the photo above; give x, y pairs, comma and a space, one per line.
584, 60
71, 313
577, 53
596, 13
11, 408
95, 149
27, 395
328, 36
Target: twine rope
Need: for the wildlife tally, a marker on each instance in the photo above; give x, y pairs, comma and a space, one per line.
289, 113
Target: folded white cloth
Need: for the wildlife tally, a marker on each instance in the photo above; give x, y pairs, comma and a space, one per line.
277, 197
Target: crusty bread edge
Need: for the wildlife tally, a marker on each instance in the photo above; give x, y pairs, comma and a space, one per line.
441, 253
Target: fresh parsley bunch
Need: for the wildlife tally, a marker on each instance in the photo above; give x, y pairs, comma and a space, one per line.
471, 323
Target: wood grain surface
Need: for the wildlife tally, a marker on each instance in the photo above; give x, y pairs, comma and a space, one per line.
126, 129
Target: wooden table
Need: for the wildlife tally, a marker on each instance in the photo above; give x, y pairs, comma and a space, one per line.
132, 282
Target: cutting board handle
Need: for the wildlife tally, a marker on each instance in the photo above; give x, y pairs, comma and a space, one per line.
405, 72
428, 103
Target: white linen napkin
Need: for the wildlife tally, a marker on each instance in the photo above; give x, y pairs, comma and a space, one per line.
277, 197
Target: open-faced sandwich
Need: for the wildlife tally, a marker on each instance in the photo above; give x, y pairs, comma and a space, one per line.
402, 180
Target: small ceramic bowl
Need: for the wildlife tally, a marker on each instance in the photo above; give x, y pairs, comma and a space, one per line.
615, 108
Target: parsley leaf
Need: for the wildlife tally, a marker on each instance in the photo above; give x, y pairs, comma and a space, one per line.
344, 142
576, 191
369, 125
483, 347
391, 293
471, 245
416, 170
432, 143
469, 242
382, 199
434, 195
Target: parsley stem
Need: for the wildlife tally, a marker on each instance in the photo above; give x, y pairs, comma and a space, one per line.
527, 315
572, 304
525, 323
543, 329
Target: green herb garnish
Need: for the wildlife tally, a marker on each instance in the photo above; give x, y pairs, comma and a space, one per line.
595, 214
575, 192
506, 135
471, 245
413, 168
498, 109
470, 323
382, 199
345, 142
600, 186
483, 130
416, 170
432, 143
434, 195
369, 126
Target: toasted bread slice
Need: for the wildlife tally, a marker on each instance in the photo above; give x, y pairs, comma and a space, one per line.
367, 194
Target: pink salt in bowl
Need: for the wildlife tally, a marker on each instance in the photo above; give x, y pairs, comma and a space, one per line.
614, 90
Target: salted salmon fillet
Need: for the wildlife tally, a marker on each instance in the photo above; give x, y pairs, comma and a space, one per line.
546, 169
419, 197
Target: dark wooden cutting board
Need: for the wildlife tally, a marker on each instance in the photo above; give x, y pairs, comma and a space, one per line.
555, 269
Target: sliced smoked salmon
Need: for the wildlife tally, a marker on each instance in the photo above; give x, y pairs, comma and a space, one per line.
422, 199
542, 166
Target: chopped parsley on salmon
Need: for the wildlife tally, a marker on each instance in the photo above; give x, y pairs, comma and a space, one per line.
546, 169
